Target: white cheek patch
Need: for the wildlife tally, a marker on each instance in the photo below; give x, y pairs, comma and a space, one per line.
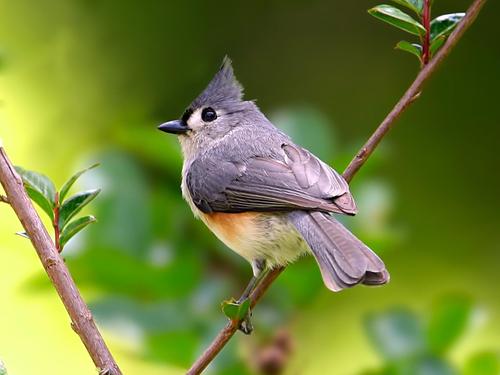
195, 122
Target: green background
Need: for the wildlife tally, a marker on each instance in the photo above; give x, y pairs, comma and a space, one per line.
88, 80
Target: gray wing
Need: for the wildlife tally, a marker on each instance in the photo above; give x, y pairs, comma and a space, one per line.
298, 181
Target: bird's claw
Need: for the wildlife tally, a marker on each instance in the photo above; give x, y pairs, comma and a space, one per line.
246, 324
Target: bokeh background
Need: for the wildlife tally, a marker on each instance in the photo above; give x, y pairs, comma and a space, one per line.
88, 80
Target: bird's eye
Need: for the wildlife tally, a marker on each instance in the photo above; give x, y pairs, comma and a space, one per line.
208, 114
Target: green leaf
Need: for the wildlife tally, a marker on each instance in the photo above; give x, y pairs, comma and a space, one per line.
449, 319
68, 184
41, 201
486, 363
74, 204
397, 18
397, 334
74, 227
235, 311
40, 183
436, 44
3, 370
413, 48
415, 5
444, 25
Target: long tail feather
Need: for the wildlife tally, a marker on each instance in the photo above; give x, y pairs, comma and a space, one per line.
343, 259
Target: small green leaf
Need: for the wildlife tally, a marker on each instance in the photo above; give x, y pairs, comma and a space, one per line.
74, 204
436, 44
449, 319
41, 201
72, 180
486, 363
38, 182
397, 334
397, 18
235, 311
444, 25
413, 48
74, 227
415, 5
23, 234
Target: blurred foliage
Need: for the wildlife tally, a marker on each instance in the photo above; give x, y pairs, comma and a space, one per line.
419, 344
101, 75
3, 370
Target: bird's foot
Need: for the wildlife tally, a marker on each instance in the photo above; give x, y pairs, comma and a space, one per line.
239, 311
246, 325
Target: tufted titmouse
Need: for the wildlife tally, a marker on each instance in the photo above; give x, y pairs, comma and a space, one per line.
266, 198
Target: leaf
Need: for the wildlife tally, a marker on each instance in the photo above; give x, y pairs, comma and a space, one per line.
413, 48
415, 5
436, 44
74, 204
23, 234
397, 334
74, 227
235, 311
485, 363
39, 183
41, 201
397, 18
68, 184
444, 25
449, 319
3, 370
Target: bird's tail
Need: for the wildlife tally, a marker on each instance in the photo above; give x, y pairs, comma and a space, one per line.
343, 259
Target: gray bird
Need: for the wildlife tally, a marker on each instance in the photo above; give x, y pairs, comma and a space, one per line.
265, 197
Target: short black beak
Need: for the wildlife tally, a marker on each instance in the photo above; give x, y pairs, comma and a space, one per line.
174, 127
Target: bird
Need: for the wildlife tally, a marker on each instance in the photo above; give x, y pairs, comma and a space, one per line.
265, 197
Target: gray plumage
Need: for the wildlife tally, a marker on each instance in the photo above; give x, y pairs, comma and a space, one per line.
239, 162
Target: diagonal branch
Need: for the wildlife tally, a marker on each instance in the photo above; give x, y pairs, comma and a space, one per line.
359, 160
81, 318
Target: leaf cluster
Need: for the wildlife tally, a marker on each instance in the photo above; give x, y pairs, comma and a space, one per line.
59, 209
440, 27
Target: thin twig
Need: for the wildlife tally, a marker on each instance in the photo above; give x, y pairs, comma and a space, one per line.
81, 318
364, 153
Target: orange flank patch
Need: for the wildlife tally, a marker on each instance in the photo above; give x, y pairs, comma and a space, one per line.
231, 228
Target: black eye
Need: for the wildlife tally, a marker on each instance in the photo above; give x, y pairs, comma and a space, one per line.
208, 114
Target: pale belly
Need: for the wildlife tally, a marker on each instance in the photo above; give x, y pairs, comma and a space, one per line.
258, 236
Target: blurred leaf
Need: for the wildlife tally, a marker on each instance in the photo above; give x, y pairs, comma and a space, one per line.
68, 184
319, 137
415, 5
432, 366
40, 188
74, 205
396, 334
41, 201
124, 209
74, 227
486, 363
444, 25
3, 369
235, 311
413, 48
23, 234
449, 318
436, 44
397, 18
174, 347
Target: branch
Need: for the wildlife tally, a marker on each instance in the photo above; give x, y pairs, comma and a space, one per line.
361, 157
81, 318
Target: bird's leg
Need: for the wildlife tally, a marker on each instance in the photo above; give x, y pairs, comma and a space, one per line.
259, 272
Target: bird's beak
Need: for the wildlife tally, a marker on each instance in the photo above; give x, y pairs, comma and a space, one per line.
174, 127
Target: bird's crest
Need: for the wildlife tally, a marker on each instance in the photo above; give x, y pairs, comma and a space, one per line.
222, 89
